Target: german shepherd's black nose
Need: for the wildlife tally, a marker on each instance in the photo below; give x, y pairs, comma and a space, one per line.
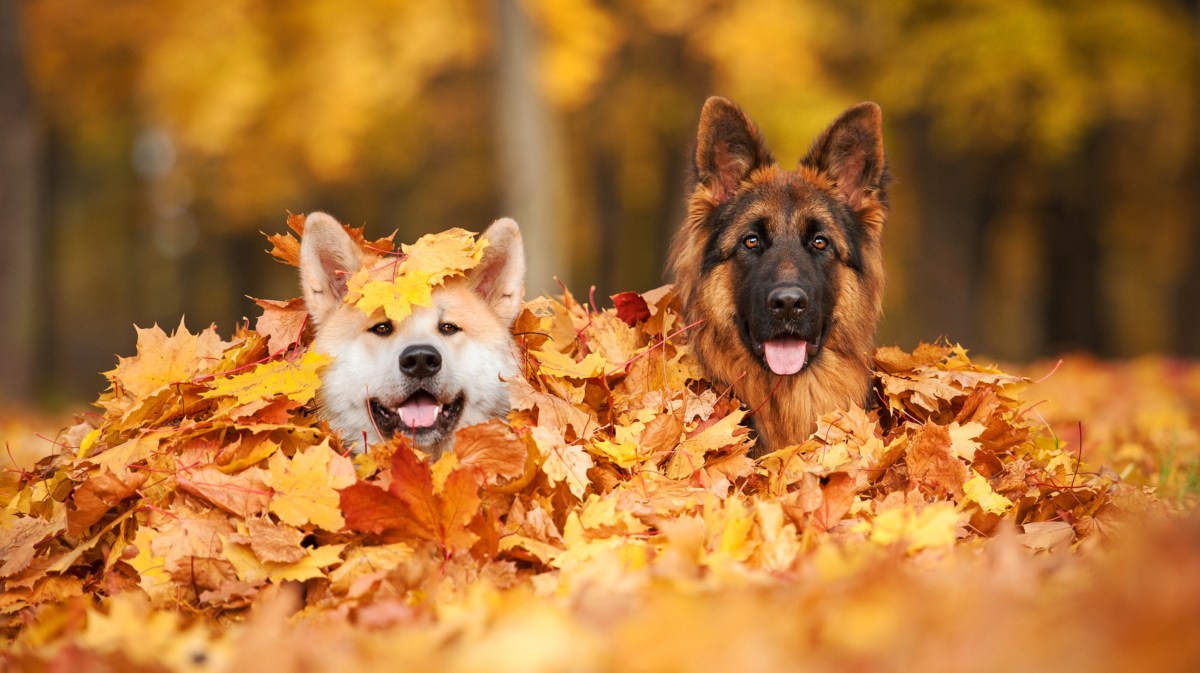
787, 302
420, 361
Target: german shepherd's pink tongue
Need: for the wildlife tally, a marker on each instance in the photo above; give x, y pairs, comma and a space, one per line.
786, 355
418, 411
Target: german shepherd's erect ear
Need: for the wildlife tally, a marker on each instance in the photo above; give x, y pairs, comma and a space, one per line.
728, 148
500, 276
327, 258
851, 153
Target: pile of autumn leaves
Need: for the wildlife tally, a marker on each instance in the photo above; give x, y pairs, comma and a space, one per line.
206, 507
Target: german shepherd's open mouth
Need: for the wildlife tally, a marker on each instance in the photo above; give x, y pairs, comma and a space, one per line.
420, 416
783, 350
786, 353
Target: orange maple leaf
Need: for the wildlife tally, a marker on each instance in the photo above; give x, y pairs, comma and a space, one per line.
412, 507
286, 247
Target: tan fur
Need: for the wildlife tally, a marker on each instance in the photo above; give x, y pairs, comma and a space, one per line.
785, 408
476, 361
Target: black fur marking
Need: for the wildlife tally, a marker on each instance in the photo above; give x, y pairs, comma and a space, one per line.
787, 261
727, 214
719, 221
855, 232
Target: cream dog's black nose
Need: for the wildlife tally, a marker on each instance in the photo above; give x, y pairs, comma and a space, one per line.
421, 361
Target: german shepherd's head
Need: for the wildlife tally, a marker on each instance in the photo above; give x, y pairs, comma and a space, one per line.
784, 266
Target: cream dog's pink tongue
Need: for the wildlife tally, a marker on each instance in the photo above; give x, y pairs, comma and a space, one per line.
786, 355
418, 411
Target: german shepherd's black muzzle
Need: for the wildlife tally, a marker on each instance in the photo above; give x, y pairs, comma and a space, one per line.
783, 319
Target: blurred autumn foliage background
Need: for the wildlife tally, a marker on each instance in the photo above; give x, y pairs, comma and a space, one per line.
1046, 154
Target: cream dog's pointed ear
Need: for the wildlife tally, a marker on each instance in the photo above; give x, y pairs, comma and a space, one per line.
500, 276
327, 257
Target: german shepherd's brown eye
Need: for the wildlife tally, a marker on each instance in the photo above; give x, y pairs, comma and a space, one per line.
449, 328
820, 242
381, 328
751, 242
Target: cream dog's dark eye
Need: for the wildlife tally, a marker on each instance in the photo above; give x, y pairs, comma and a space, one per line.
449, 328
382, 328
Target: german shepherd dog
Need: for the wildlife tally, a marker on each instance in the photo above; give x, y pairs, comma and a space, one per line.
784, 267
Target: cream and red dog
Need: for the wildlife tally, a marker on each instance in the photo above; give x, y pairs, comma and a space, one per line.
441, 368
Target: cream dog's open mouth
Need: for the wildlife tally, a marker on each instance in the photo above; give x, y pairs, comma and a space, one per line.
421, 416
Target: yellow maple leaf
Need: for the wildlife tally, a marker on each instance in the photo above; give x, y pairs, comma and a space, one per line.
564, 462
251, 569
441, 470
396, 297
624, 448
977, 489
396, 287
543, 551
140, 633
729, 525
559, 364
779, 545
437, 257
152, 573
252, 450
689, 455
306, 486
935, 525
362, 561
297, 380
604, 559
607, 514
831, 458
162, 360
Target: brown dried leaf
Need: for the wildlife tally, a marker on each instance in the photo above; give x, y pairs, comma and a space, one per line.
272, 542
891, 359
1046, 535
98, 494
931, 461
243, 494
837, 496
493, 450
20, 536
281, 323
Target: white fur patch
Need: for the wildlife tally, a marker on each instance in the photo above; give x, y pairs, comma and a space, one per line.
475, 363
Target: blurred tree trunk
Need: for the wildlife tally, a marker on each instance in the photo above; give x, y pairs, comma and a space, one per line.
19, 236
609, 212
949, 251
1187, 308
529, 149
636, 218
1072, 228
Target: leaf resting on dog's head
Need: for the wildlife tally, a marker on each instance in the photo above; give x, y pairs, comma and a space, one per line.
396, 285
